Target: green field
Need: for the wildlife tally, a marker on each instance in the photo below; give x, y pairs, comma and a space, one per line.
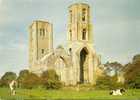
39, 94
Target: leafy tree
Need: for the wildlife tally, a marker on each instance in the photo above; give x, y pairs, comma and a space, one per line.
31, 81
134, 82
132, 73
137, 80
114, 67
22, 76
50, 79
136, 58
50, 74
28, 80
108, 82
23, 73
7, 78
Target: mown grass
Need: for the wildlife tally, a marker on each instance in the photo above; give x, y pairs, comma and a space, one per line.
66, 94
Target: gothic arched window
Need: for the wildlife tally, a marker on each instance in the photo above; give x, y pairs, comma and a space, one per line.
83, 14
70, 34
42, 32
70, 16
84, 34
70, 51
42, 51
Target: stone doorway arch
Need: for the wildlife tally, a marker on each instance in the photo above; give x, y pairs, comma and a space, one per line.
84, 65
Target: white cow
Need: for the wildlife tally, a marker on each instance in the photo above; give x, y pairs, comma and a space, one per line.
12, 86
117, 92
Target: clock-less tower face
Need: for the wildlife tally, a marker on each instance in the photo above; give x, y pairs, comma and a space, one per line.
79, 27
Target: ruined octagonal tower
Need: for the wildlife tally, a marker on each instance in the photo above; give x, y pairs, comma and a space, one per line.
80, 44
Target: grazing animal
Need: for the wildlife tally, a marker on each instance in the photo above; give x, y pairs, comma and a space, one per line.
117, 92
12, 86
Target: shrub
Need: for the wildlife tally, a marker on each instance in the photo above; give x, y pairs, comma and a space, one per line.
107, 82
50, 80
28, 80
135, 82
53, 84
31, 81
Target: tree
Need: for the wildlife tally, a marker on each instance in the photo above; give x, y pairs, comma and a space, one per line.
22, 76
31, 81
50, 74
113, 68
108, 82
132, 73
135, 82
50, 79
7, 78
136, 58
28, 80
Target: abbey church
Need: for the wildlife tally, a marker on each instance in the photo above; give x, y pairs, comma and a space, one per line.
76, 63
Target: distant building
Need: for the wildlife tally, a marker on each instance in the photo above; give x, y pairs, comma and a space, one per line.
78, 62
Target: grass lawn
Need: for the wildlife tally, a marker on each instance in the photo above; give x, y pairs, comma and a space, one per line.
39, 94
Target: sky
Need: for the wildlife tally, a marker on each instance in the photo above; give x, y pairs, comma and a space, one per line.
116, 28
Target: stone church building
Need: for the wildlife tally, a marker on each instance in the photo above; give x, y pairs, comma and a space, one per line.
76, 63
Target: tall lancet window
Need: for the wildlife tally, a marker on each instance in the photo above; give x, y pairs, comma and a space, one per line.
84, 34
70, 16
83, 14
42, 32
70, 34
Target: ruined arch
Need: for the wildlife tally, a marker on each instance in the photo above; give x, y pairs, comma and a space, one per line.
84, 53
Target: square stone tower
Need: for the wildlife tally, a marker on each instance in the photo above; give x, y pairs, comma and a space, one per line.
40, 40
80, 44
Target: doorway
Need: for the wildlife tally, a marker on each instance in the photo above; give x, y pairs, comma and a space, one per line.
83, 65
